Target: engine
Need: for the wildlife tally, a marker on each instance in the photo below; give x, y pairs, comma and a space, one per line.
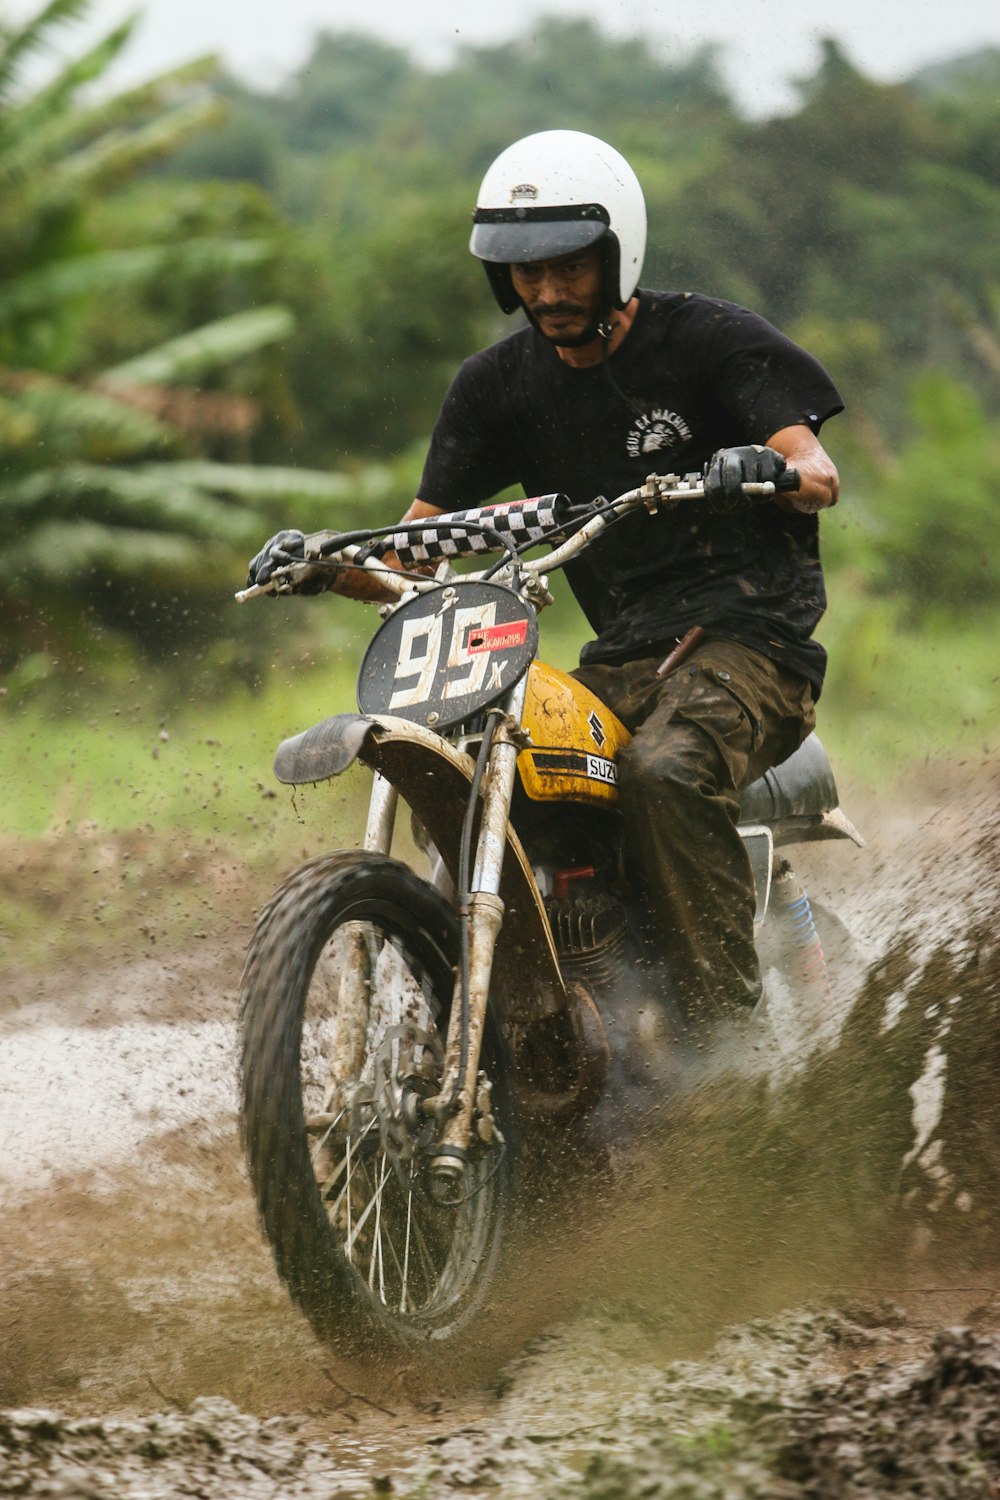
589, 927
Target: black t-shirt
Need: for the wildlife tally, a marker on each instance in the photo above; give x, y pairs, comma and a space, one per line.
697, 374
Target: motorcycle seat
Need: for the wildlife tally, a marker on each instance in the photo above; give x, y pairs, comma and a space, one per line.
800, 787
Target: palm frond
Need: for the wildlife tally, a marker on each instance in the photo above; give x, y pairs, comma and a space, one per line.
220, 342
18, 430
133, 105
21, 120
70, 421
75, 276
153, 499
253, 483
122, 153
18, 45
85, 494
61, 554
214, 413
312, 498
39, 136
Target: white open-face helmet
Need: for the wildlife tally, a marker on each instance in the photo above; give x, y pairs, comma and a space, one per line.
555, 192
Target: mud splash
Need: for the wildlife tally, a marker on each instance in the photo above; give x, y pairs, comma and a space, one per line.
592, 1411
213, 1450
853, 1154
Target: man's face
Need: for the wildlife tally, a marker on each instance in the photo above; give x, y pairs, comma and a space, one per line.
562, 295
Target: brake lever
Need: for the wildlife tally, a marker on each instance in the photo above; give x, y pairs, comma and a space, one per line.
282, 581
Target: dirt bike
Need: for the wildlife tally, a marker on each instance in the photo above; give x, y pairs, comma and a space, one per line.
402, 1037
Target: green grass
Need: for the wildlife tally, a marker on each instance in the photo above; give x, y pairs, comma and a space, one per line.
137, 810
203, 768
896, 697
144, 756
141, 805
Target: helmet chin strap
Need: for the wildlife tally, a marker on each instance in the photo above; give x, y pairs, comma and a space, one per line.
634, 406
599, 328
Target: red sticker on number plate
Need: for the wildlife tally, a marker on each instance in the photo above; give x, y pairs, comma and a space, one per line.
497, 637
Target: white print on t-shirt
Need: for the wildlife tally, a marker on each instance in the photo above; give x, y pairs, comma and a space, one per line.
656, 430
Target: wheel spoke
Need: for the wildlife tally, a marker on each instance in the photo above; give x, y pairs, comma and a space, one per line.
431, 1260
424, 1255
388, 1243
327, 1132
376, 1255
373, 1203
346, 1164
405, 1277
347, 1190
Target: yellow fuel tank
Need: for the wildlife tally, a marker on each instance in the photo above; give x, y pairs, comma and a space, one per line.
575, 740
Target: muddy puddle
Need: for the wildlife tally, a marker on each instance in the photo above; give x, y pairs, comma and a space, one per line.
789, 1285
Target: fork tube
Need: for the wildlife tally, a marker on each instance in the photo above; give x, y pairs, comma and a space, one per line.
381, 816
485, 918
350, 1019
499, 792
350, 1029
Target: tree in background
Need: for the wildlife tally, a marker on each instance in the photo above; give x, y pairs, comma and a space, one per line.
377, 161
126, 319
873, 207
198, 280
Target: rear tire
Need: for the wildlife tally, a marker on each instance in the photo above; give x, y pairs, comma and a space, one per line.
339, 1178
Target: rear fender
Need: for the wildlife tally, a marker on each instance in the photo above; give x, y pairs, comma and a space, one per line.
797, 800
433, 777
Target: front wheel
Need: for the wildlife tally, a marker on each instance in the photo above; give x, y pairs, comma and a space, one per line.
346, 996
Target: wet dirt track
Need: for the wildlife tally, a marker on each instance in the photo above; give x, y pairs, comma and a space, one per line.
756, 1309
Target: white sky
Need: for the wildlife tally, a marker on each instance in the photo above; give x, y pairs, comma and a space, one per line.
769, 42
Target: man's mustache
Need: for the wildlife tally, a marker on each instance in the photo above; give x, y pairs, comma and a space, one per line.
558, 310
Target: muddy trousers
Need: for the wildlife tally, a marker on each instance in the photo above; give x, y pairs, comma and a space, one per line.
701, 735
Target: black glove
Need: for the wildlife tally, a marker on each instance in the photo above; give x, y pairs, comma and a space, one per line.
731, 468
283, 548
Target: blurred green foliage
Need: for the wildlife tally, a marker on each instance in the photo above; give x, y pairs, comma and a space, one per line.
224, 310
142, 333
864, 223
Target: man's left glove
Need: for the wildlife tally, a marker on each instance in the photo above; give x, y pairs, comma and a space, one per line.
732, 468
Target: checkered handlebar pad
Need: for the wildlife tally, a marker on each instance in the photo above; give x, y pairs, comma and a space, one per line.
457, 533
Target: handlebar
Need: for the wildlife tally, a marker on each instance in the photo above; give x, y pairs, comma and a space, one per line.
511, 526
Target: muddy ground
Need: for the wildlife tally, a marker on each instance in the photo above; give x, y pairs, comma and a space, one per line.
788, 1286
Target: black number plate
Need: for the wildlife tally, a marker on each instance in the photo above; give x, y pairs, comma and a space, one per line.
447, 654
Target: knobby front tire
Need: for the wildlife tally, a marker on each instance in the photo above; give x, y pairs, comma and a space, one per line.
347, 991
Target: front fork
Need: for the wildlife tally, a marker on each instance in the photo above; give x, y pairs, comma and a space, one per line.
457, 1101
347, 1050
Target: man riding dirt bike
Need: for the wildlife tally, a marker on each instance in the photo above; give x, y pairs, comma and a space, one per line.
596, 836
704, 619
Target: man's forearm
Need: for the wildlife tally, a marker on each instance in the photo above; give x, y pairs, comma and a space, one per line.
363, 583
819, 483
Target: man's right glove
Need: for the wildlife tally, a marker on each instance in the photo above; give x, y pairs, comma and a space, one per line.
283, 548
732, 468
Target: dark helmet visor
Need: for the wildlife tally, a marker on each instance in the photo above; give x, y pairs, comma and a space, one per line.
512, 235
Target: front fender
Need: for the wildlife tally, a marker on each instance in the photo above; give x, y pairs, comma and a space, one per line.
433, 777
325, 750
